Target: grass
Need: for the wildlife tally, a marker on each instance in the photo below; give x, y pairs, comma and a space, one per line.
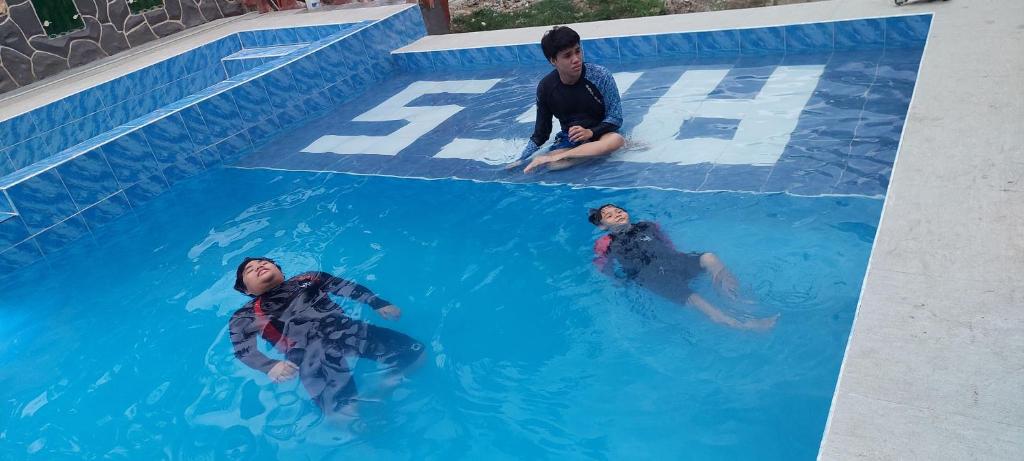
550, 12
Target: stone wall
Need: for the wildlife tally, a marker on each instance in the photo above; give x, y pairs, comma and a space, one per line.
27, 54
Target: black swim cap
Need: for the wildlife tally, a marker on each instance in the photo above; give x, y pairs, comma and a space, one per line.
239, 284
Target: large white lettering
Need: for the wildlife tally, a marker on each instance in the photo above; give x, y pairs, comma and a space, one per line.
765, 122
421, 119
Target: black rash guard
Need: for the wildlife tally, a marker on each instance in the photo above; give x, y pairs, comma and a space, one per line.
300, 319
592, 102
646, 255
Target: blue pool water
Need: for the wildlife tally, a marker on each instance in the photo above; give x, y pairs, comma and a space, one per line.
117, 349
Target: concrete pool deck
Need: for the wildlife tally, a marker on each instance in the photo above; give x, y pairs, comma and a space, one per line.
935, 362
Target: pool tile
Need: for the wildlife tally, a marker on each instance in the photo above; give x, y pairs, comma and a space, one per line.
636, 47
860, 34
530, 54
705, 127
252, 101
418, 61
281, 88
16, 130
810, 37
341, 92
210, 157
718, 43
677, 44
19, 256
286, 36
183, 167
51, 115
114, 91
12, 231
88, 178
234, 67
264, 130
446, 59
379, 39
130, 158
86, 128
62, 234
233, 148
106, 210
197, 127
135, 82
169, 138
327, 30
146, 189
762, 40
6, 167
474, 58
601, 50
30, 151
221, 115
250, 39
907, 31
306, 34
84, 103
42, 200
332, 63
735, 178
307, 77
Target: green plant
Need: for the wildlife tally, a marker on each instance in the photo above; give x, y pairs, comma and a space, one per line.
550, 12
138, 6
58, 17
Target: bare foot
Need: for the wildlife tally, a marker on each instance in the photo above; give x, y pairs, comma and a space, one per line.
513, 165
762, 324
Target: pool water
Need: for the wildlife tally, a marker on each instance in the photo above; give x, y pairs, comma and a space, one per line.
118, 348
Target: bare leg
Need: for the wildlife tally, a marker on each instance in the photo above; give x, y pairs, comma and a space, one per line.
723, 280
717, 316
565, 158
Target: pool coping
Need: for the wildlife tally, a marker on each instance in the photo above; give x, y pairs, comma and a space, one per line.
928, 373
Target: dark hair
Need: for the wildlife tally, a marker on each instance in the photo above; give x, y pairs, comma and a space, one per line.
595, 213
239, 284
558, 39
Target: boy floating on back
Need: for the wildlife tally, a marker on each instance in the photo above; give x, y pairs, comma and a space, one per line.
647, 256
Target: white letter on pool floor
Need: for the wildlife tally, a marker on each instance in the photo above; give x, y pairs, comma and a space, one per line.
765, 122
421, 119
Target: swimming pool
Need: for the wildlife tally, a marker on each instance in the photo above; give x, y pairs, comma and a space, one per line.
532, 352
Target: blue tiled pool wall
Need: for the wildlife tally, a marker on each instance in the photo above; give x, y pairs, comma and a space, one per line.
84, 188
858, 34
48, 130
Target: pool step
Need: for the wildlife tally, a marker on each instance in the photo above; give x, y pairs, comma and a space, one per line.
251, 58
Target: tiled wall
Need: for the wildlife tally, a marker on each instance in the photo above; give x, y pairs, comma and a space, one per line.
67, 195
48, 130
871, 33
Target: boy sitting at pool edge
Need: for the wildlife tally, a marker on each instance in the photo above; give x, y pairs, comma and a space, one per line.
648, 257
584, 98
